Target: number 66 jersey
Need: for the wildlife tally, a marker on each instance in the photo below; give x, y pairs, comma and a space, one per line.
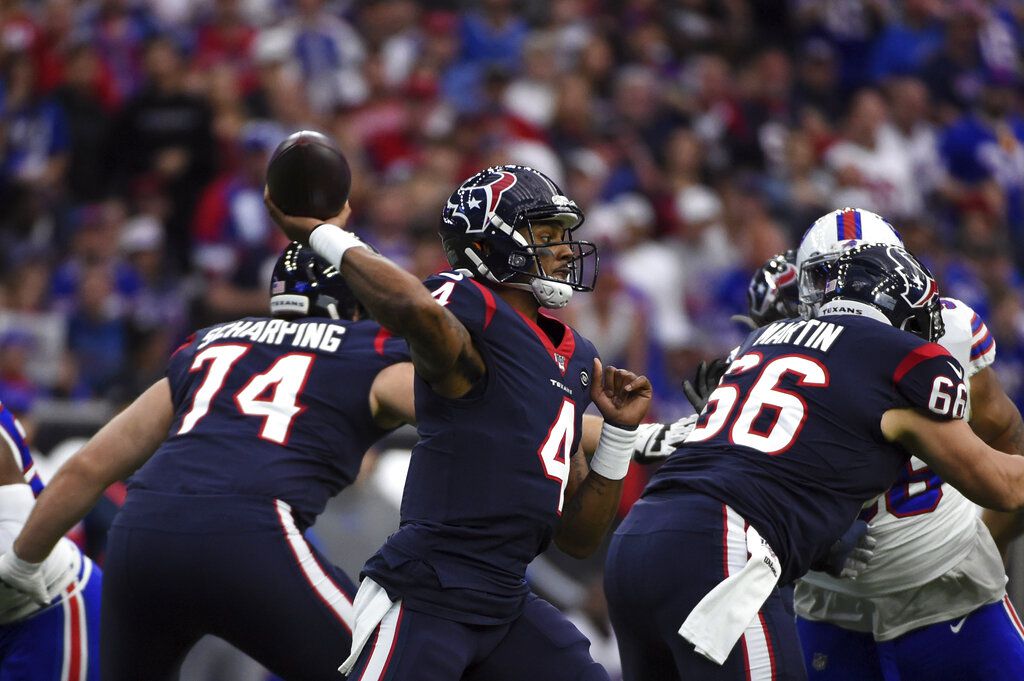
791, 439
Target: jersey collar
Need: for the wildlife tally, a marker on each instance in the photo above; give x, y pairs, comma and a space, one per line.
561, 354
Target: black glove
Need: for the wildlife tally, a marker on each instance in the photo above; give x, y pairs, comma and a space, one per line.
704, 383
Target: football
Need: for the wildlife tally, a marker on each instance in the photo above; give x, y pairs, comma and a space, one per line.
308, 176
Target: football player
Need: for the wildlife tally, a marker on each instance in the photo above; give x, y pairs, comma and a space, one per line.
54, 637
813, 418
256, 425
497, 473
932, 603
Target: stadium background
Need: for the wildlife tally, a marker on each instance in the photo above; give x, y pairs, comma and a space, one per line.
700, 137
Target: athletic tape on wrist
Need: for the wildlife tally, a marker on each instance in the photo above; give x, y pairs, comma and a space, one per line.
614, 452
330, 242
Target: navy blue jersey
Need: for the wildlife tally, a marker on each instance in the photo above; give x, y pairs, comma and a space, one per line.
791, 439
488, 475
270, 408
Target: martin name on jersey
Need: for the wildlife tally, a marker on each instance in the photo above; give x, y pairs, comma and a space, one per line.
791, 438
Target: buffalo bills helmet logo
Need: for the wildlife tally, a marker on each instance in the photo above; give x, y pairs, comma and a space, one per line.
483, 197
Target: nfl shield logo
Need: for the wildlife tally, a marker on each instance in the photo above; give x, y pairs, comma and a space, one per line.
560, 361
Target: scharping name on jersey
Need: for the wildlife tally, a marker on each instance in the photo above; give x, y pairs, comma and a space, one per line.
314, 335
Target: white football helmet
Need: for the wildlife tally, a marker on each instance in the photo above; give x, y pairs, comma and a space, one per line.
829, 236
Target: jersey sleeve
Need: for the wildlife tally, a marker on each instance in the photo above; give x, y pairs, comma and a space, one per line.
931, 379
391, 348
983, 345
469, 300
179, 365
967, 337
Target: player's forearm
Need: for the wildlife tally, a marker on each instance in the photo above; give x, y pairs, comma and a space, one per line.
394, 297
116, 451
591, 434
588, 514
400, 302
64, 502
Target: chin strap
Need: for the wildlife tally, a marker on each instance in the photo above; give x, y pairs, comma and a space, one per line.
551, 294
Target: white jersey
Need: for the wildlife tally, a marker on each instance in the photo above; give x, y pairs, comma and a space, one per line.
924, 527
66, 571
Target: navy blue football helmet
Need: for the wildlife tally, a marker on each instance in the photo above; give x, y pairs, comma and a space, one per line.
483, 225
892, 280
305, 285
773, 293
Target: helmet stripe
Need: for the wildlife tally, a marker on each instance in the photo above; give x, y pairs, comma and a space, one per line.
848, 225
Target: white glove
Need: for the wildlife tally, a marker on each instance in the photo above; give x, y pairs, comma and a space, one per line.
859, 557
656, 441
24, 576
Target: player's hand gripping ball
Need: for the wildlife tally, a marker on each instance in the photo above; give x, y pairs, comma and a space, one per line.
308, 176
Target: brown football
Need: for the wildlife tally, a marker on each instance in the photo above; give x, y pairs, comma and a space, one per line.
308, 176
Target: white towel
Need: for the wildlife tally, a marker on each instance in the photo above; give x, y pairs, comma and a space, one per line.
371, 605
721, 617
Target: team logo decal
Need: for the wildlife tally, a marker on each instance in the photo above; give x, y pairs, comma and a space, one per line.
584, 378
912, 280
483, 197
786, 276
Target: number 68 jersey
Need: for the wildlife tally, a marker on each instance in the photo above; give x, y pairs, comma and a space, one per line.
923, 526
791, 439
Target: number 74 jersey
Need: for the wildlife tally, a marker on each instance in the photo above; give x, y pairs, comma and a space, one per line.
272, 408
922, 525
791, 439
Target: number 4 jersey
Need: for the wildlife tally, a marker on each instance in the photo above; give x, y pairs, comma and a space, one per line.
488, 475
273, 409
791, 439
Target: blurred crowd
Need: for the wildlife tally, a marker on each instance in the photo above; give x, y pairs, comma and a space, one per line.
699, 136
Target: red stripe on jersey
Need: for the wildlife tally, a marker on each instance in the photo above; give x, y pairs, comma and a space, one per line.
768, 643
117, 493
488, 301
188, 342
566, 348
725, 540
394, 641
380, 339
1013, 614
75, 660
746, 658
849, 225
915, 357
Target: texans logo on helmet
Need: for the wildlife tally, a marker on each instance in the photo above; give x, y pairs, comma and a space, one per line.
484, 197
786, 276
913, 279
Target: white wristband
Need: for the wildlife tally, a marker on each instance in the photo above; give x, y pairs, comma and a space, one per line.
330, 242
614, 452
